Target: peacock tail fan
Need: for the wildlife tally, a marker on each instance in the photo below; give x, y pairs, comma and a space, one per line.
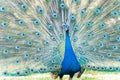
33, 34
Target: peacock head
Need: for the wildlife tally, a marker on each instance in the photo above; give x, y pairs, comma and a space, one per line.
65, 26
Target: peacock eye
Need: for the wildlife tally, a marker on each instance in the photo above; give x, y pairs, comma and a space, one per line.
55, 49
109, 54
23, 35
32, 70
17, 61
103, 68
62, 5
44, 69
89, 24
100, 44
61, 35
75, 39
117, 69
93, 49
83, 12
2, 9
18, 73
41, 69
115, 13
21, 23
105, 36
118, 38
73, 17
55, 66
26, 72
97, 11
102, 25
89, 66
39, 49
40, 10
36, 22
24, 7
50, 27
45, 43
110, 68
5, 51
53, 61
102, 57
115, 47
55, 15
9, 38
17, 47
84, 43
37, 34
98, 68
5, 73
29, 43
26, 55
4, 24
75, 28
89, 35
50, 68
53, 38
37, 59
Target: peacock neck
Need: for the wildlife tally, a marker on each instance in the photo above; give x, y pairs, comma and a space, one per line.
68, 42
68, 47
70, 63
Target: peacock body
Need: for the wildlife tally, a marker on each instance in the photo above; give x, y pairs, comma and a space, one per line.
59, 36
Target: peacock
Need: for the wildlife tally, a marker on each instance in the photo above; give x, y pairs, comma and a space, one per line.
62, 37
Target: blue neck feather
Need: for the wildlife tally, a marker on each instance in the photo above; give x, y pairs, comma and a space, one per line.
70, 63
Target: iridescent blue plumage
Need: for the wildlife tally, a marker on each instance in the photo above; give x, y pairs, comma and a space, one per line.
70, 65
59, 36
